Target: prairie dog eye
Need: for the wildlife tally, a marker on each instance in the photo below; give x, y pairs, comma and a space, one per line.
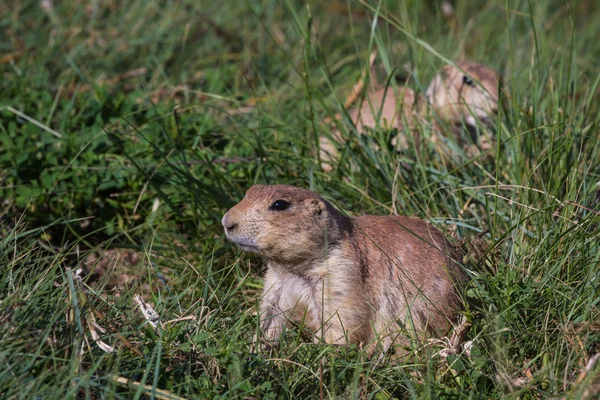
468, 81
279, 205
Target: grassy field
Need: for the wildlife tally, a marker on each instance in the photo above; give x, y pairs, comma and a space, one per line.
127, 129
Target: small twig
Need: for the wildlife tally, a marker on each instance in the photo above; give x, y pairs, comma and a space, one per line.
148, 312
33, 121
459, 334
588, 367
592, 361
584, 207
93, 326
158, 393
188, 318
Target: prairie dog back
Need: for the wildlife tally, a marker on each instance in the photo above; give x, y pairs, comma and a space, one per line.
387, 104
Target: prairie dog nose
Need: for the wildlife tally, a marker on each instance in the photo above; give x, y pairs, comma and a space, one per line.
228, 223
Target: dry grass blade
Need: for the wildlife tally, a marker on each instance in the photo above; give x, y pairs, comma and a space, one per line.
33, 121
148, 312
149, 390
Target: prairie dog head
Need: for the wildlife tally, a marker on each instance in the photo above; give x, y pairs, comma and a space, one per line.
286, 224
458, 96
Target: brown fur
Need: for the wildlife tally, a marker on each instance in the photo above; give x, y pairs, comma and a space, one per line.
350, 280
384, 102
379, 103
448, 101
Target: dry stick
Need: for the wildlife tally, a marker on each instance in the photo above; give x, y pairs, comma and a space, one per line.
33, 121
158, 393
94, 328
588, 367
584, 207
148, 312
119, 336
188, 318
459, 334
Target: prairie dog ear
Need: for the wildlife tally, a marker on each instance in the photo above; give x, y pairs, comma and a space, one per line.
317, 206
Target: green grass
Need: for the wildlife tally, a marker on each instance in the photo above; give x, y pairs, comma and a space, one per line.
146, 120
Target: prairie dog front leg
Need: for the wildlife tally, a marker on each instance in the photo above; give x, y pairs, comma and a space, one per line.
272, 318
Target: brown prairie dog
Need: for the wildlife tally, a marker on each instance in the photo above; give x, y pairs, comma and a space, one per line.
350, 280
458, 97
454, 98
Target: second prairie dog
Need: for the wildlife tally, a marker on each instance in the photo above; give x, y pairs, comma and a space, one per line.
453, 97
349, 280
458, 97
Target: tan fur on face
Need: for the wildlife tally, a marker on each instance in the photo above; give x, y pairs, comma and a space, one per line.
255, 226
351, 280
457, 102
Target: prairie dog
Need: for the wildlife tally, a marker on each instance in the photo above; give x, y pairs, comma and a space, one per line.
470, 96
453, 97
350, 280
